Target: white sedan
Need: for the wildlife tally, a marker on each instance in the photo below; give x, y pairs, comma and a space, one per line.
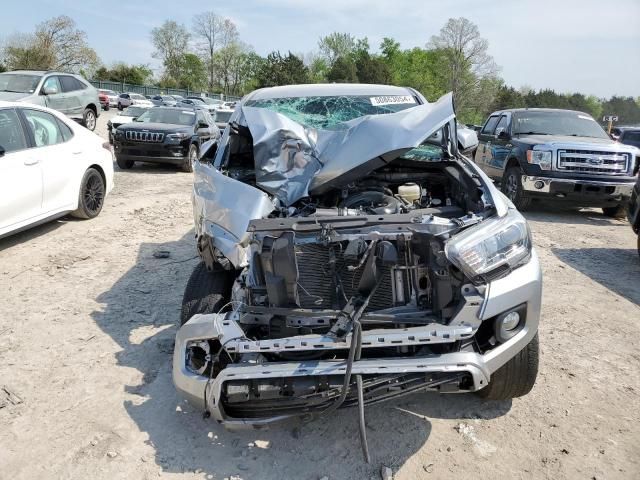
127, 99
49, 166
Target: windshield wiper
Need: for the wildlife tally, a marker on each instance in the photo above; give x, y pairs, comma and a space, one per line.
12, 91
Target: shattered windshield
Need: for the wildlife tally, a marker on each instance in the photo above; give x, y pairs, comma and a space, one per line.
327, 112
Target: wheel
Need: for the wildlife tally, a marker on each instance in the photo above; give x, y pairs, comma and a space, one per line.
91, 196
89, 119
191, 159
119, 106
124, 164
512, 188
516, 377
110, 138
614, 212
206, 292
105, 107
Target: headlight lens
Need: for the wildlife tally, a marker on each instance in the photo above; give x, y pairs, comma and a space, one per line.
540, 157
178, 136
495, 246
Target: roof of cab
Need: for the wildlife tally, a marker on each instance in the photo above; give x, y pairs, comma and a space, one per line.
329, 89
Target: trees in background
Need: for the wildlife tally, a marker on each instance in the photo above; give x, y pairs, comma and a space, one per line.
211, 56
56, 44
121, 72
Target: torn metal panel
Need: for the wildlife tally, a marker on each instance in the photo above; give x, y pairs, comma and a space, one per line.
284, 154
223, 207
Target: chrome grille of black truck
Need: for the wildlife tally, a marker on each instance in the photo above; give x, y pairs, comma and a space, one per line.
590, 161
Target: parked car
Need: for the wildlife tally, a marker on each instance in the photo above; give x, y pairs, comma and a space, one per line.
211, 103
126, 116
177, 98
127, 99
221, 116
104, 100
633, 211
164, 100
627, 135
113, 96
169, 135
556, 155
69, 94
49, 166
356, 257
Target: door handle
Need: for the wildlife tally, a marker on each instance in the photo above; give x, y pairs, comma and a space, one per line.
31, 161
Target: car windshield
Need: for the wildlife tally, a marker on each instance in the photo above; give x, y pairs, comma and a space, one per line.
174, 116
18, 83
199, 101
134, 111
327, 112
222, 117
556, 123
167, 98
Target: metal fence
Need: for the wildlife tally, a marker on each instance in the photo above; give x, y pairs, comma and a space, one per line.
148, 90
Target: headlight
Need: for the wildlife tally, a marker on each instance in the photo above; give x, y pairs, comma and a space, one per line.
492, 248
540, 157
178, 136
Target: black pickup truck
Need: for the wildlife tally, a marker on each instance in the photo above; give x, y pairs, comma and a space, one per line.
559, 155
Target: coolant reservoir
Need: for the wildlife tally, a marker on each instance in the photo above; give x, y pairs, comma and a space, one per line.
409, 192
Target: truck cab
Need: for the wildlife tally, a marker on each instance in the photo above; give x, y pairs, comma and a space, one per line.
556, 155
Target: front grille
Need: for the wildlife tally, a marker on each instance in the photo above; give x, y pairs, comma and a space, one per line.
590, 161
318, 287
153, 137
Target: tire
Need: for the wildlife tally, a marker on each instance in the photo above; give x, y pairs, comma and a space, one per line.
516, 377
89, 119
614, 212
91, 195
119, 106
124, 164
206, 292
187, 166
512, 187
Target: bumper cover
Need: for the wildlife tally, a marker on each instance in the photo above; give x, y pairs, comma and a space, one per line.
523, 285
587, 191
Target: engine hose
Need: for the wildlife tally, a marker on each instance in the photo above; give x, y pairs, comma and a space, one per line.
361, 422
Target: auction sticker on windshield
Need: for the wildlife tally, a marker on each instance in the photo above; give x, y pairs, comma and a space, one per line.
392, 100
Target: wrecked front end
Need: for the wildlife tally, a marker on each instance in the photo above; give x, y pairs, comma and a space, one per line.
352, 288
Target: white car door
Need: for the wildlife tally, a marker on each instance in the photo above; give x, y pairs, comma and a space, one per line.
61, 159
20, 175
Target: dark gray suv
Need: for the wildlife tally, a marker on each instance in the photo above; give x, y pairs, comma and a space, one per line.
69, 94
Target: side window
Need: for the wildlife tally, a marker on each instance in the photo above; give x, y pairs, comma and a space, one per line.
11, 132
502, 124
52, 84
66, 132
44, 128
68, 83
490, 125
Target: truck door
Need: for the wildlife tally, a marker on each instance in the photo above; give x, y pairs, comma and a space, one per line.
485, 138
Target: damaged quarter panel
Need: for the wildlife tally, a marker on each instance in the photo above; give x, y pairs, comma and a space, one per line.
223, 208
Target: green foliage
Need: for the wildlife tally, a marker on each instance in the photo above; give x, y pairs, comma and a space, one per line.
282, 70
121, 72
343, 71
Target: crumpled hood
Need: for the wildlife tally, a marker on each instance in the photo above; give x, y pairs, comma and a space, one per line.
292, 160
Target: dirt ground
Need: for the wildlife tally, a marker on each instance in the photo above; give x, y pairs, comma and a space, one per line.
88, 316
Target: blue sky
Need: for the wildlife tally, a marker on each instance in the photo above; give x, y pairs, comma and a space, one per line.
590, 46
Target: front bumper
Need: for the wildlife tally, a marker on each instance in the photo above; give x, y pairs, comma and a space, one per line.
173, 154
585, 192
522, 286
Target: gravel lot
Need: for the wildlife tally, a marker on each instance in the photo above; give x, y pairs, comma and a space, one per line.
88, 316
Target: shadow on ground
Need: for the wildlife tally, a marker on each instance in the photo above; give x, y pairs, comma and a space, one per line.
541, 212
617, 269
147, 299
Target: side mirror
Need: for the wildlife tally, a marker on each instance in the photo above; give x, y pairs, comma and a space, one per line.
203, 125
502, 134
1, 151
49, 90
